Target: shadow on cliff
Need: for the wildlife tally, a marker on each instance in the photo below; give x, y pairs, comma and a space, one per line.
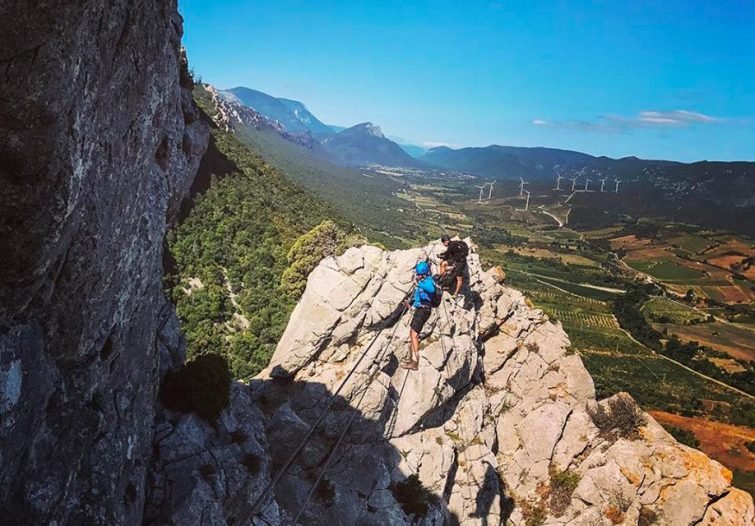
355, 487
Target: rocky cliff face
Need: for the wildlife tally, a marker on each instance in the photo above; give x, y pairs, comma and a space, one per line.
98, 145
499, 423
231, 114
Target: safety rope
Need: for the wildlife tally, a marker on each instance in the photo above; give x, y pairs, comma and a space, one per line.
274, 481
376, 363
391, 424
461, 426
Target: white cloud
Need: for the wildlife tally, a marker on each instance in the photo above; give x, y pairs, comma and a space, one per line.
644, 119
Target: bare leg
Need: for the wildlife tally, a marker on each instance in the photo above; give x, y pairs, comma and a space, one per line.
443, 267
459, 284
414, 345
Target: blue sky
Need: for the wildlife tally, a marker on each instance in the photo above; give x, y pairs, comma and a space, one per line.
672, 79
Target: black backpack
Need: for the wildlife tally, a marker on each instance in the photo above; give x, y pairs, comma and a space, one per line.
463, 248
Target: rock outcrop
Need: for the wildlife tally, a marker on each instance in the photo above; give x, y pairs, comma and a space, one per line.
500, 423
99, 143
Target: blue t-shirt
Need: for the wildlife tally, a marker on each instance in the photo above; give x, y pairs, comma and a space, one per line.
423, 292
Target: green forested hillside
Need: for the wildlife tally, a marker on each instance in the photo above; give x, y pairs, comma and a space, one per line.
231, 251
365, 200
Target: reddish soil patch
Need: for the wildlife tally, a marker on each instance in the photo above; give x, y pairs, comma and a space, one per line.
629, 243
738, 342
722, 442
649, 253
733, 245
725, 262
734, 294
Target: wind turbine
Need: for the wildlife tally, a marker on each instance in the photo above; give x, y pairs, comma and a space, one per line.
617, 185
602, 183
573, 182
479, 200
490, 193
587, 181
527, 204
521, 186
558, 181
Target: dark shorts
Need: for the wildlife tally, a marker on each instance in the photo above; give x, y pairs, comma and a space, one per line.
420, 318
459, 268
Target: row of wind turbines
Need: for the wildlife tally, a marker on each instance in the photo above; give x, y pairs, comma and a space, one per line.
558, 188
482, 189
587, 183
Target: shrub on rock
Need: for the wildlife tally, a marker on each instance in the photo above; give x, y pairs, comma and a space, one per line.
202, 385
619, 416
324, 240
414, 498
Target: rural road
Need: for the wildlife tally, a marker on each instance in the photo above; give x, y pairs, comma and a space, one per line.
560, 224
701, 375
586, 285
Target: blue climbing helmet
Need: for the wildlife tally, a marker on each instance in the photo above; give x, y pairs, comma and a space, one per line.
422, 268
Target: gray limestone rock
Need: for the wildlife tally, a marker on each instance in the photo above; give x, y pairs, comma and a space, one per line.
499, 424
98, 146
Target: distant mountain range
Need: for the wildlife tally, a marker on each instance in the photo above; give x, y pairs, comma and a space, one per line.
365, 144
723, 183
504, 162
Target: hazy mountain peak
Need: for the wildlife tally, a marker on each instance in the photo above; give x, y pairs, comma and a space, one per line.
292, 114
370, 129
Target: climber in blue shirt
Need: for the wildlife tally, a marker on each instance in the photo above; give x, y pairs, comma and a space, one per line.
422, 303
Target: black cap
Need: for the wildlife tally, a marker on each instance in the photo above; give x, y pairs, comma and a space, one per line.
445, 237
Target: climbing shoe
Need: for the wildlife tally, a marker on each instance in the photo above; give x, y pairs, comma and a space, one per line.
410, 365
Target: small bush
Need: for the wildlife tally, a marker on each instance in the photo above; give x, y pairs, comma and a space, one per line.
614, 514
252, 463
622, 418
534, 515
617, 508
563, 484
202, 385
687, 438
533, 347
413, 497
647, 517
750, 446
186, 76
326, 492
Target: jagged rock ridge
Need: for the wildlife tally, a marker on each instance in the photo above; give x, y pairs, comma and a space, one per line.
232, 114
98, 146
499, 423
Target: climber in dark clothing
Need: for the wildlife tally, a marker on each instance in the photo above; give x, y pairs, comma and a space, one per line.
454, 261
422, 303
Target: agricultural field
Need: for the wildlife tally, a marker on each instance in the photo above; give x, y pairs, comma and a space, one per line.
564, 272
664, 310
738, 341
694, 244
666, 270
715, 267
